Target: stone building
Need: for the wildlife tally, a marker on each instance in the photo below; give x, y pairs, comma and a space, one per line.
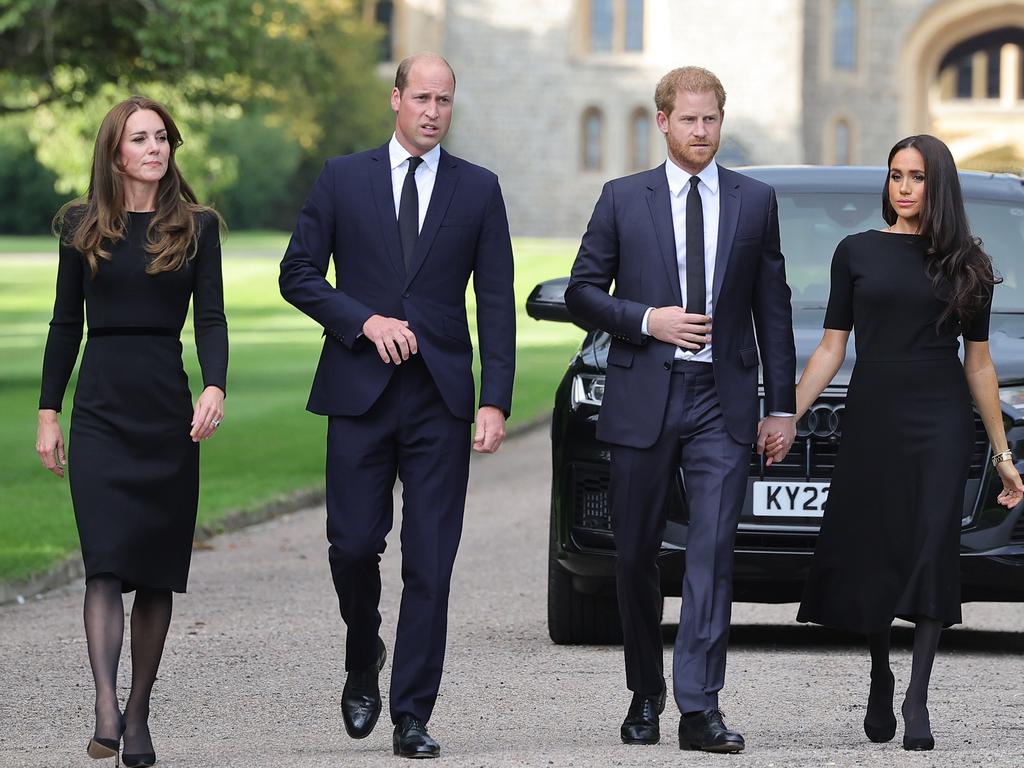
556, 96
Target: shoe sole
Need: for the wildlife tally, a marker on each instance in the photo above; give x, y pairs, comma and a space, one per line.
416, 755
641, 741
97, 751
725, 749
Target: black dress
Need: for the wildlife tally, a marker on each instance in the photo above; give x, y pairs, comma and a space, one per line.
890, 538
133, 469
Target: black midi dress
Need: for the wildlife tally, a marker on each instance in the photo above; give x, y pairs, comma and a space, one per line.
890, 537
133, 469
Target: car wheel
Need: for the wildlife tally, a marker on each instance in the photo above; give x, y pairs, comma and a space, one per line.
574, 617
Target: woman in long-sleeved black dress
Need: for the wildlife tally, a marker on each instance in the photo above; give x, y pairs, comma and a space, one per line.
134, 254
890, 539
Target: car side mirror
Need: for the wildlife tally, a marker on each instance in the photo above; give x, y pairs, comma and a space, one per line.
547, 302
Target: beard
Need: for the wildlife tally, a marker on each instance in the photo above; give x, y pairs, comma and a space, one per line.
693, 157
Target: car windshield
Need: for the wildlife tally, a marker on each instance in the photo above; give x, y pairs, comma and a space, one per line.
813, 224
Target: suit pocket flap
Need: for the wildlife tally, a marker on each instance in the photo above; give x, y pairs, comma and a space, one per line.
457, 329
620, 357
749, 357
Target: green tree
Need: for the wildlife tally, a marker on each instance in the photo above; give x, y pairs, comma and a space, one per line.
29, 200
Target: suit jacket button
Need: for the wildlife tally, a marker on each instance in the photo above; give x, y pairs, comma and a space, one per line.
405, 295
668, 366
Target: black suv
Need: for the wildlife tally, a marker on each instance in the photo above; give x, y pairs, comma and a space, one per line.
818, 206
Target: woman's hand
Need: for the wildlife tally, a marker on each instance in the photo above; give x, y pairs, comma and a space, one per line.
50, 442
1013, 488
208, 413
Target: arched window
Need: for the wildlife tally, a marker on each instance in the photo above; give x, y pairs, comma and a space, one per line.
593, 139
843, 143
639, 140
844, 35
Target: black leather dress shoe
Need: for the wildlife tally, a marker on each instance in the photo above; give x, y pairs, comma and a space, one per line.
412, 740
360, 699
641, 723
706, 731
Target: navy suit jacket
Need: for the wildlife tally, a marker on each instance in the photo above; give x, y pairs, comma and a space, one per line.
350, 214
630, 241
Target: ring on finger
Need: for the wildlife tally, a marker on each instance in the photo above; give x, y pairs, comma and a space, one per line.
215, 423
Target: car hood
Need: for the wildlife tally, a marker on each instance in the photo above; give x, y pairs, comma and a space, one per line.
1006, 342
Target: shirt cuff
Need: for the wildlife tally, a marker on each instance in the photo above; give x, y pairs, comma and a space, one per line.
643, 325
780, 413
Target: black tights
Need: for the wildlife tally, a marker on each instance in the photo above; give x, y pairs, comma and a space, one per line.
915, 702
104, 630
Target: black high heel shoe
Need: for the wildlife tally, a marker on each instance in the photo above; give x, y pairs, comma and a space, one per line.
880, 726
917, 736
100, 748
141, 760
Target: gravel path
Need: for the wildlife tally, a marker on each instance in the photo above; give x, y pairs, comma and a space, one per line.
253, 668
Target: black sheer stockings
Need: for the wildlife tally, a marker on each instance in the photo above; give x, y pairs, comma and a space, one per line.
915, 704
879, 720
104, 630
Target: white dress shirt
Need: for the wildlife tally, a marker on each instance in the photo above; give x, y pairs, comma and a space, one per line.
426, 174
679, 188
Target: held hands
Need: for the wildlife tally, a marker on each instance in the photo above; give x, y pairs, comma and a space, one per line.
392, 337
775, 436
208, 413
50, 442
680, 328
1013, 488
490, 429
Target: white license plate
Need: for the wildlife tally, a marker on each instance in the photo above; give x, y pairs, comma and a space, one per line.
789, 499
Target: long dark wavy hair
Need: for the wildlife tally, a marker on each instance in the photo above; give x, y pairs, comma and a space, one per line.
91, 224
960, 270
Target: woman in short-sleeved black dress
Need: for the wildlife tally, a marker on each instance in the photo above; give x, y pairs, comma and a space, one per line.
890, 538
135, 253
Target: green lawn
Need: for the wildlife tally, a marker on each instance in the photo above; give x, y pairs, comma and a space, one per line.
268, 445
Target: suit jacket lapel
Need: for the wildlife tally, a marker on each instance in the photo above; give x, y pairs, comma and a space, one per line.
728, 218
440, 197
384, 197
661, 212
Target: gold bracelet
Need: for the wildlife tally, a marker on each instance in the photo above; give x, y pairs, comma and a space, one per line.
1002, 456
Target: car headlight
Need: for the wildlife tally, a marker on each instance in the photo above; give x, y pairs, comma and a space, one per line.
587, 389
1013, 397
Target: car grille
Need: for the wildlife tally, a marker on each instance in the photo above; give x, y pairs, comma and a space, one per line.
813, 456
590, 498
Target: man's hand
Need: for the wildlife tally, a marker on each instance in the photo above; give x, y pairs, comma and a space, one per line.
490, 429
775, 436
392, 337
680, 328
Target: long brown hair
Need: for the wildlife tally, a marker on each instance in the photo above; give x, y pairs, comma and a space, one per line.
100, 219
957, 264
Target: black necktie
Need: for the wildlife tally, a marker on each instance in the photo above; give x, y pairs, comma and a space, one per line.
696, 296
409, 214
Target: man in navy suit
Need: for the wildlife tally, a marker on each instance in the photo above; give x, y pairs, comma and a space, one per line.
407, 224
683, 243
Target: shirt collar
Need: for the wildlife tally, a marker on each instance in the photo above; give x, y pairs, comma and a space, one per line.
679, 180
400, 154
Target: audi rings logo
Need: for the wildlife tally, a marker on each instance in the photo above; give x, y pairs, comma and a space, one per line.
821, 421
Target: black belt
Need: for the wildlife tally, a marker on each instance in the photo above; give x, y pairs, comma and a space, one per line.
691, 366
133, 330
